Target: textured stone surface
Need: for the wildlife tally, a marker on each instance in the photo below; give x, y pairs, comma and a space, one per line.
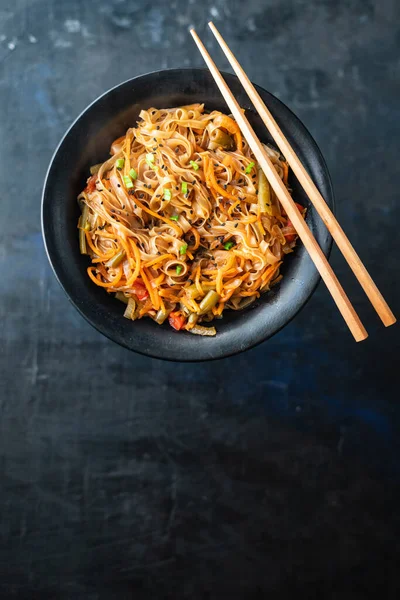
272, 473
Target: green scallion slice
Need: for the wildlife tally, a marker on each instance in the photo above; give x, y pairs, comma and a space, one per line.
194, 165
133, 174
120, 163
249, 167
150, 158
229, 245
184, 187
183, 248
127, 181
167, 194
174, 217
179, 269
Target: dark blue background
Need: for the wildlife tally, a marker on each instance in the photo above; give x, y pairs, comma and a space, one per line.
266, 475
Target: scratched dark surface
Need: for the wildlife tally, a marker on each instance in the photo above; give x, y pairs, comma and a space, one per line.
267, 475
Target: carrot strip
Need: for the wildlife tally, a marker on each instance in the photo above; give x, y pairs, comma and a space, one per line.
233, 206
101, 283
210, 177
154, 261
285, 172
252, 293
94, 249
197, 281
152, 293
158, 216
158, 280
125, 246
162, 305
136, 272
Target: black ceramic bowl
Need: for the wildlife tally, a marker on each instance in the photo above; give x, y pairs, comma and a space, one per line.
88, 142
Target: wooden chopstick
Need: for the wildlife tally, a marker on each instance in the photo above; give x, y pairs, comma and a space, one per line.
344, 245
337, 292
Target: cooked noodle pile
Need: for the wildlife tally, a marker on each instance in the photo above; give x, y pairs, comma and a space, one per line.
180, 222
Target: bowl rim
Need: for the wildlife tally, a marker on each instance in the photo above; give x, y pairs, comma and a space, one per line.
104, 330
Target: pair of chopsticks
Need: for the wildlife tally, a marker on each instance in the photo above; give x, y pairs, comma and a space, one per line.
325, 270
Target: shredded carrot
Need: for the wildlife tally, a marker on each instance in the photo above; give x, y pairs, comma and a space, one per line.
126, 247
165, 293
285, 172
152, 293
105, 234
209, 271
108, 257
233, 206
158, 280
101, 283
197, 281
136, 272
251, 219
217, 310
94, 249
162, 305
260, 223
127, 154
158, 216
269, 272
195, 306
210, 176
226, 296
154, 261
185, 302
252, 293
146, 307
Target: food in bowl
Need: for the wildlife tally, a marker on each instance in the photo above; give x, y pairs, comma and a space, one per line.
180, 222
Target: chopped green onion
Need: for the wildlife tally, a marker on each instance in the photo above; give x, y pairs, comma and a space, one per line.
133, 174
120, 163
229, 245
249, 167
127, 181
174, 217
194, 165
184, 187
179, 269
167, 194
183, 248
149, 158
